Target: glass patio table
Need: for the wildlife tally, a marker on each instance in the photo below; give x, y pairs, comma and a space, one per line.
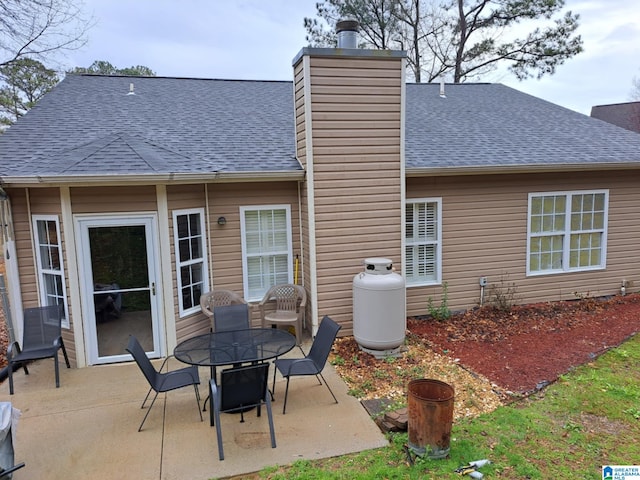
234, 347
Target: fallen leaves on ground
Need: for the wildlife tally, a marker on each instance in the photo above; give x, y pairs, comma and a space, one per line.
489, 355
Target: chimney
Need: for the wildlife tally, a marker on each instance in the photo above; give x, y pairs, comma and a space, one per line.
347, 31
349, 110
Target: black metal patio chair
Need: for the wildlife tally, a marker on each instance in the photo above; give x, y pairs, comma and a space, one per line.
240, 388
231, 317
42, 338
218, 298
161, 382
313, 363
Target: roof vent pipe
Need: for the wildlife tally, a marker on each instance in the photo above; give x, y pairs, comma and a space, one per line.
347, 31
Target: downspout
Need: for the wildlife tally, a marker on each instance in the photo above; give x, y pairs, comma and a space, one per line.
301, 241
208, 220
403, 180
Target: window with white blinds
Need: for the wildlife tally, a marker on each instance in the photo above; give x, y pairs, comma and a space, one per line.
266, 248
423, 242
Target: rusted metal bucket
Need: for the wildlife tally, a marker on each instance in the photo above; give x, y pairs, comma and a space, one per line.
430, 416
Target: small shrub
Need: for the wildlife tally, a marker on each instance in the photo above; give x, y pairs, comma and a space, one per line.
503, 295
587, 301
440, 312
338, 361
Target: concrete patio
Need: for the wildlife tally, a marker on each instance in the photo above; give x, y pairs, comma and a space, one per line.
87, 428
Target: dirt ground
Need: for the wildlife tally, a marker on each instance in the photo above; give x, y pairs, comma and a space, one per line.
491, 356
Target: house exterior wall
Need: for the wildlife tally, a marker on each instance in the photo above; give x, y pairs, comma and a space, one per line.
47, 201
223, 242
352, 137
224, 246
24, 203
484, 233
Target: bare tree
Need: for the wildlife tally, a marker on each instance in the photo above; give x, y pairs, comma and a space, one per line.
634, 95
378, 21
37, 28
478, 28
461, 38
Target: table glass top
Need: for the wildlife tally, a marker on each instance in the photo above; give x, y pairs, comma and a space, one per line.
235, 346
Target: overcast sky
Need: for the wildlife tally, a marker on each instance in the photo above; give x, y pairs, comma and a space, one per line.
257, 40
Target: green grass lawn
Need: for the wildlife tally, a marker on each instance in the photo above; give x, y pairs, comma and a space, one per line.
589, 418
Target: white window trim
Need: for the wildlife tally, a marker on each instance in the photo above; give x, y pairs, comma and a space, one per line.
41, 271
438, 279
567, 233
205, 268
245, 267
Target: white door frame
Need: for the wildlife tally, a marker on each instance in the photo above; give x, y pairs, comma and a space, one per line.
150, 222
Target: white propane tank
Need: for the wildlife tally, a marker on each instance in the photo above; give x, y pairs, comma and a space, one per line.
379, 307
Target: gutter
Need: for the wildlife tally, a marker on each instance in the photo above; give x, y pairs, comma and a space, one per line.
511, 169
154, 179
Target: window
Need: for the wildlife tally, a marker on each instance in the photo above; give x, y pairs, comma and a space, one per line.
567, 231
191, 265
49, 263
423, 242
266, 249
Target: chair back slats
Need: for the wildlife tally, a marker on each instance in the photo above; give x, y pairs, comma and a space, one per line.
243, 386
217, 298
288, 297
322, 344
42, 326
231, 317
225, 297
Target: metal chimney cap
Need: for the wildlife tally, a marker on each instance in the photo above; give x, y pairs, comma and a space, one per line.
347, 31
347, 26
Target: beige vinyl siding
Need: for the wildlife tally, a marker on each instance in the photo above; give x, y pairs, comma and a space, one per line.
21, 204
305, 275
300, 111
356, 124
96, 200
484, 233
225, 245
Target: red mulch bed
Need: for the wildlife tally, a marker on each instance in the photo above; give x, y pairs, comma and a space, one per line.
529, 346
